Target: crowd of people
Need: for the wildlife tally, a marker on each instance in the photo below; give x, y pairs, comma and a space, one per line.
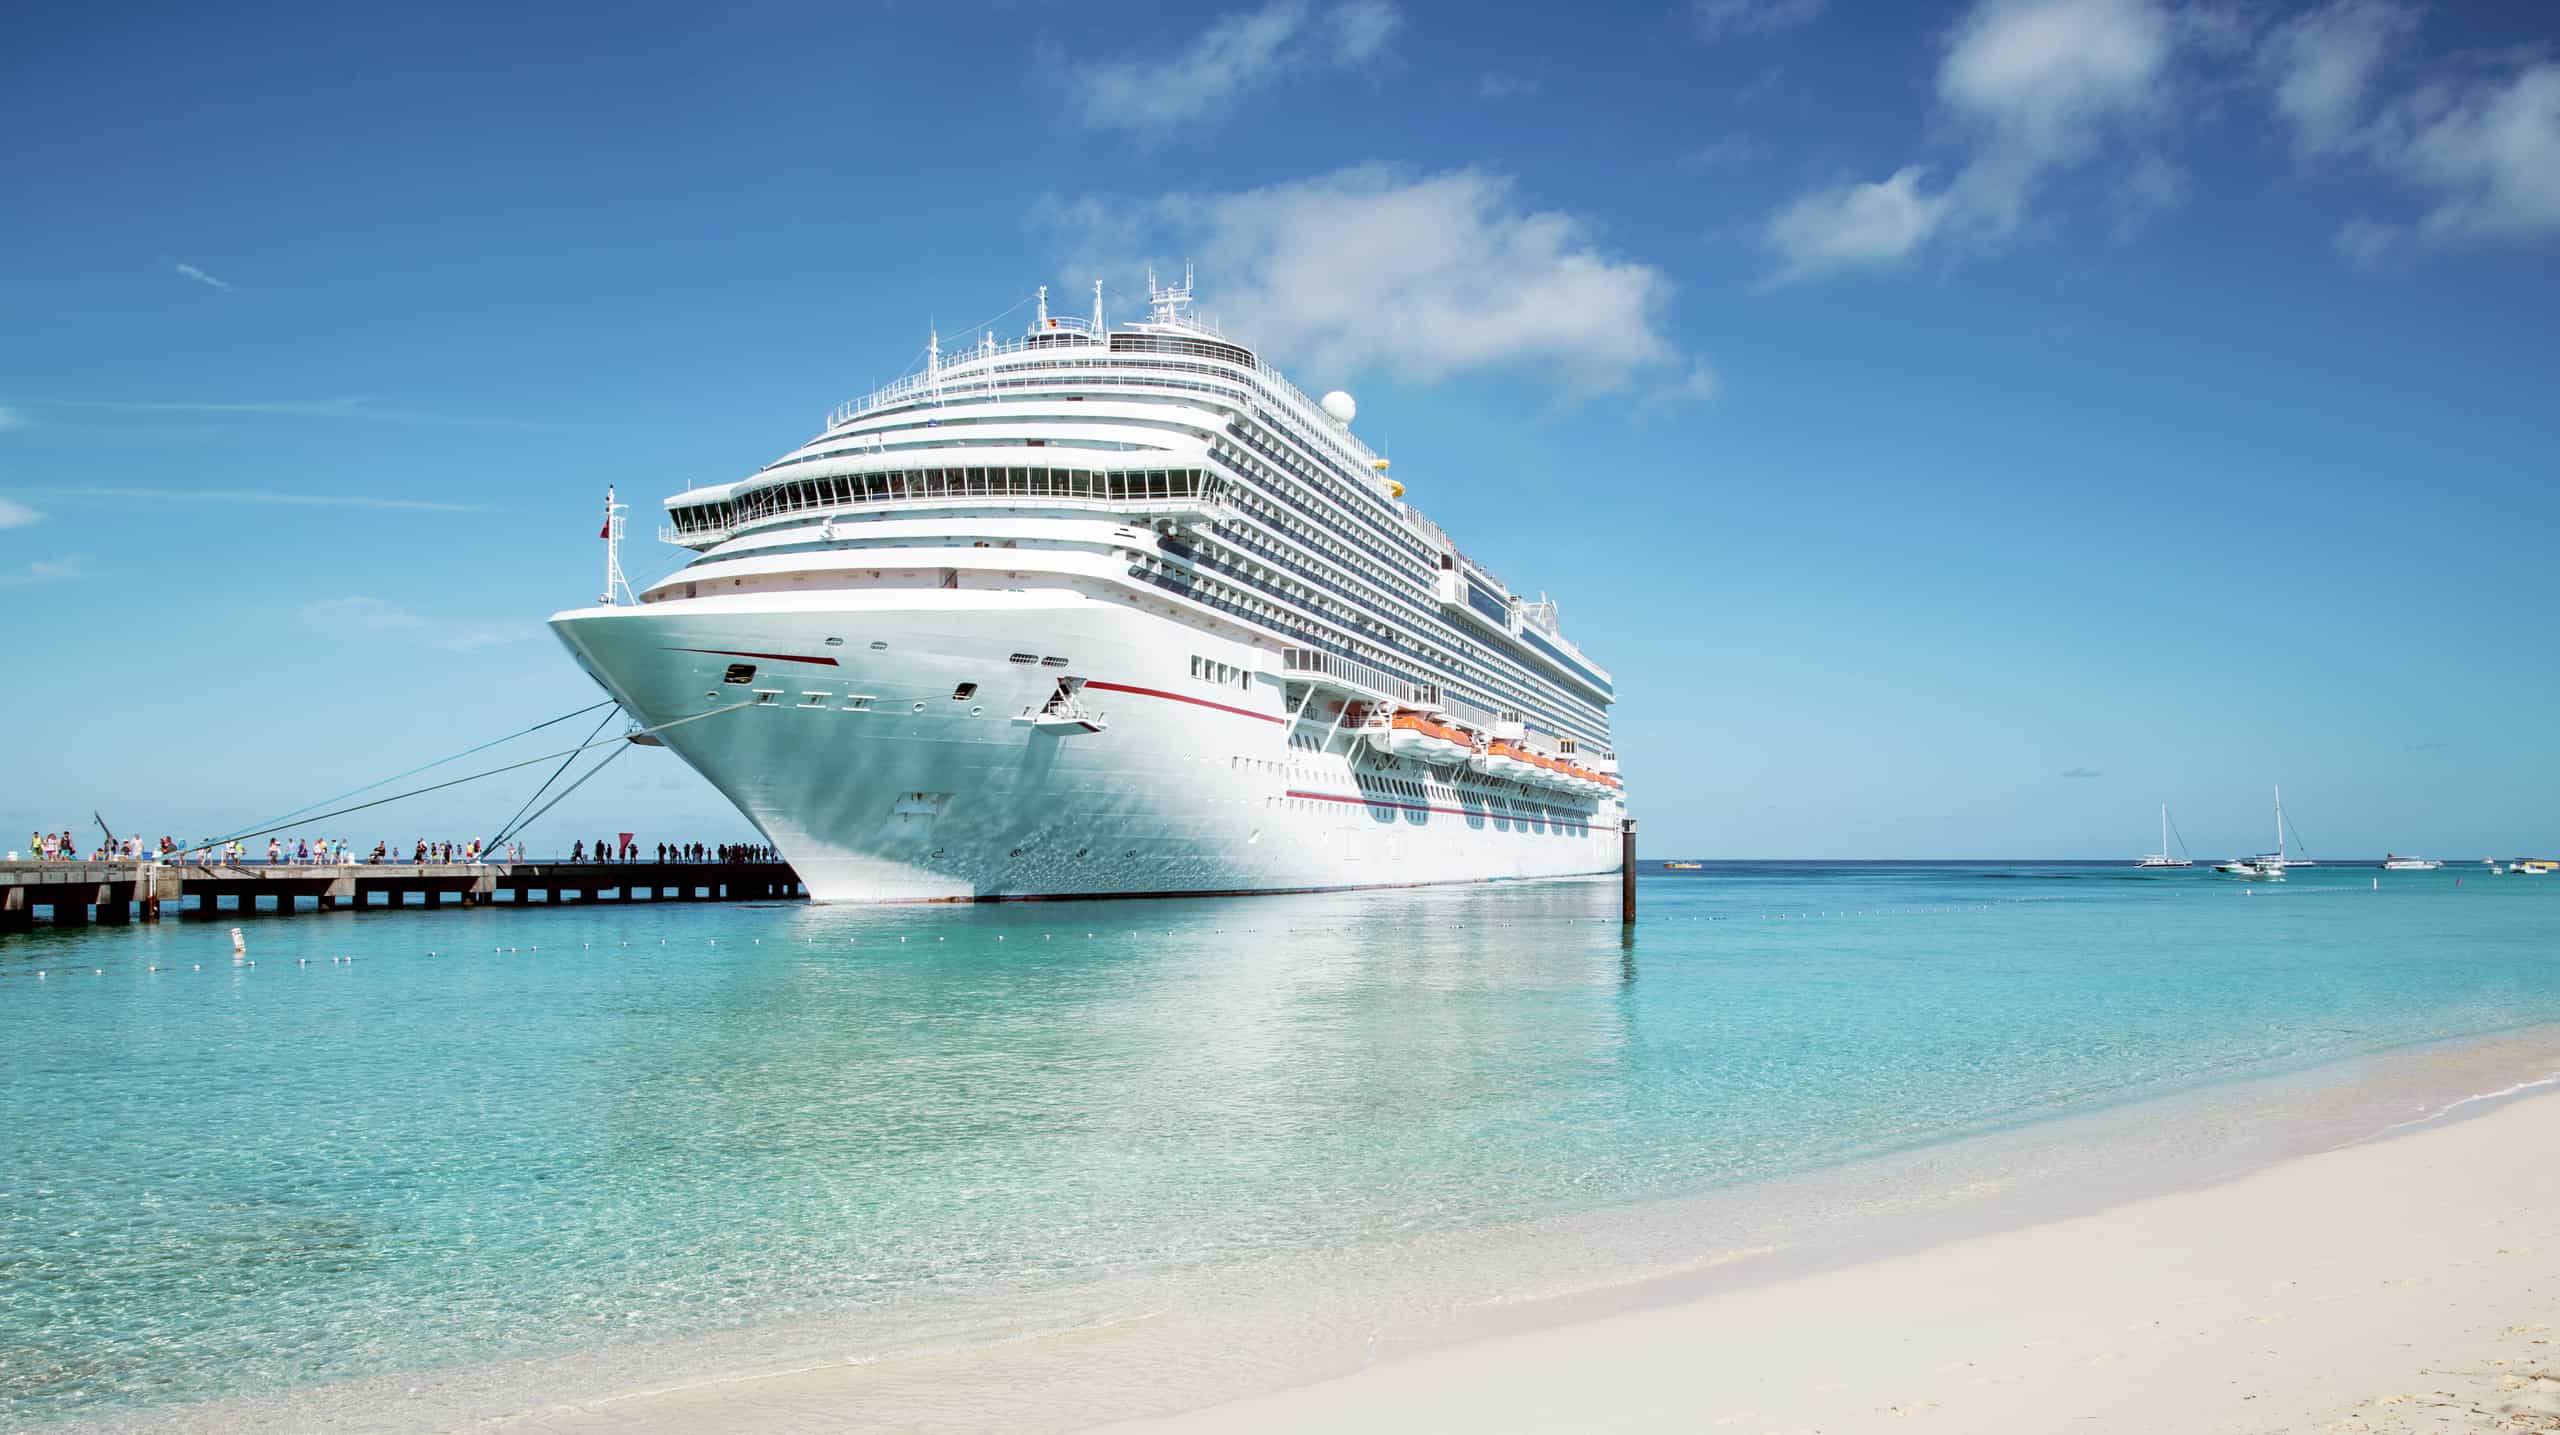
626, 850
63, 846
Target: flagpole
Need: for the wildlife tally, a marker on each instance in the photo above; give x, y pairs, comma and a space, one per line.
617, 589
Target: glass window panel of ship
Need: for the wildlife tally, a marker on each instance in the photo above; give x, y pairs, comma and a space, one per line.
1545, 685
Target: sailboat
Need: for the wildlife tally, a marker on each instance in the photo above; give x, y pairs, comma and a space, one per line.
2267, 866
2162, 858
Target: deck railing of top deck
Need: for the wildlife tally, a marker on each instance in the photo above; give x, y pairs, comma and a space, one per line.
959, 373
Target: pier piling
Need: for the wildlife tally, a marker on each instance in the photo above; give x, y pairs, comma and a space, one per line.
1627, 873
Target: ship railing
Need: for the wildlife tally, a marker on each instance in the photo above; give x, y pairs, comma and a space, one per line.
1474, 715
1205, 508
1323, 669
960, 370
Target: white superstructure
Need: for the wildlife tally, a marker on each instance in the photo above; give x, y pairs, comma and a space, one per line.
1109, 609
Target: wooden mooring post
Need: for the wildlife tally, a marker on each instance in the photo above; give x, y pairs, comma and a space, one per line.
1627, 873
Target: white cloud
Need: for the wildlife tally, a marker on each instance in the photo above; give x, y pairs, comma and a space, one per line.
2485, 148
2491, 152
2044, 82
1235, 55
1502, 85
198, 275
11, 419
17, 515
1374, 267
46, 570
357, 615
2032, 87
1720, 19
1361, 28
1722, 153
2365, 242
2322, 64
1854, 226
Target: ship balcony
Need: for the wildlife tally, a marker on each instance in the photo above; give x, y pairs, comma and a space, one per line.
1350, 677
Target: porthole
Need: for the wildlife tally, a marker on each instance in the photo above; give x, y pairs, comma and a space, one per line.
835, 642
919, 707
876, 644
975, 710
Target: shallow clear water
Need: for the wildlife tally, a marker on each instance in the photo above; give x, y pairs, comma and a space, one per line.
658, 1120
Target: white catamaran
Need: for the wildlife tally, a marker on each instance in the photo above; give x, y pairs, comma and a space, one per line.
2266, 866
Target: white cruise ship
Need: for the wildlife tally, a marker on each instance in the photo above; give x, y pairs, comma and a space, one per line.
1108, 609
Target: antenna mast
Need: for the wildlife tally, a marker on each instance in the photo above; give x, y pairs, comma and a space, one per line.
617, 589
1097, 309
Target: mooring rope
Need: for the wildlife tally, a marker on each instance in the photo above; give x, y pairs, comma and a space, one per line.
412, 772
475, 777
509, 826
601, 764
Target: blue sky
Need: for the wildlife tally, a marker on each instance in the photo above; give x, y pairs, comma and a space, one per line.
1961, 427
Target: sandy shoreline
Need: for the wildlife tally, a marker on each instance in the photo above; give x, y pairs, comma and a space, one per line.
2294, 1240
2403, 1284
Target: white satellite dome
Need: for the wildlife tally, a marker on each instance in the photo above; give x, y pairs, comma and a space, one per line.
1340, 406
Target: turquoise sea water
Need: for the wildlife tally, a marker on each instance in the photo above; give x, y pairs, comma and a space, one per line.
495, 1133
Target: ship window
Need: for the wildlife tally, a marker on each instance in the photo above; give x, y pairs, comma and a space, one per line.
964, 692
739, 673
860, 702
813, 700
1026, 657
1053, 662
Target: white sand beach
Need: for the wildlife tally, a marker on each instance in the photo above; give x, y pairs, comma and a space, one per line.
2404, 1284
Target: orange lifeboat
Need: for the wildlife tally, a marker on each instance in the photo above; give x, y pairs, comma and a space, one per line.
1424, 738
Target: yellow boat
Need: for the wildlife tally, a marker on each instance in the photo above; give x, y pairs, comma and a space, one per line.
1684, 866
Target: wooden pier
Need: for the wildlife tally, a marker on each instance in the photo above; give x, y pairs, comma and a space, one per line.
77, 892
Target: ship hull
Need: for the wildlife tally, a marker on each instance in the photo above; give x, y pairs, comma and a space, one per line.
898, 762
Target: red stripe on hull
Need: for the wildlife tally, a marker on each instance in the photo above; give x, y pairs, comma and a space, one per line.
1100, 685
